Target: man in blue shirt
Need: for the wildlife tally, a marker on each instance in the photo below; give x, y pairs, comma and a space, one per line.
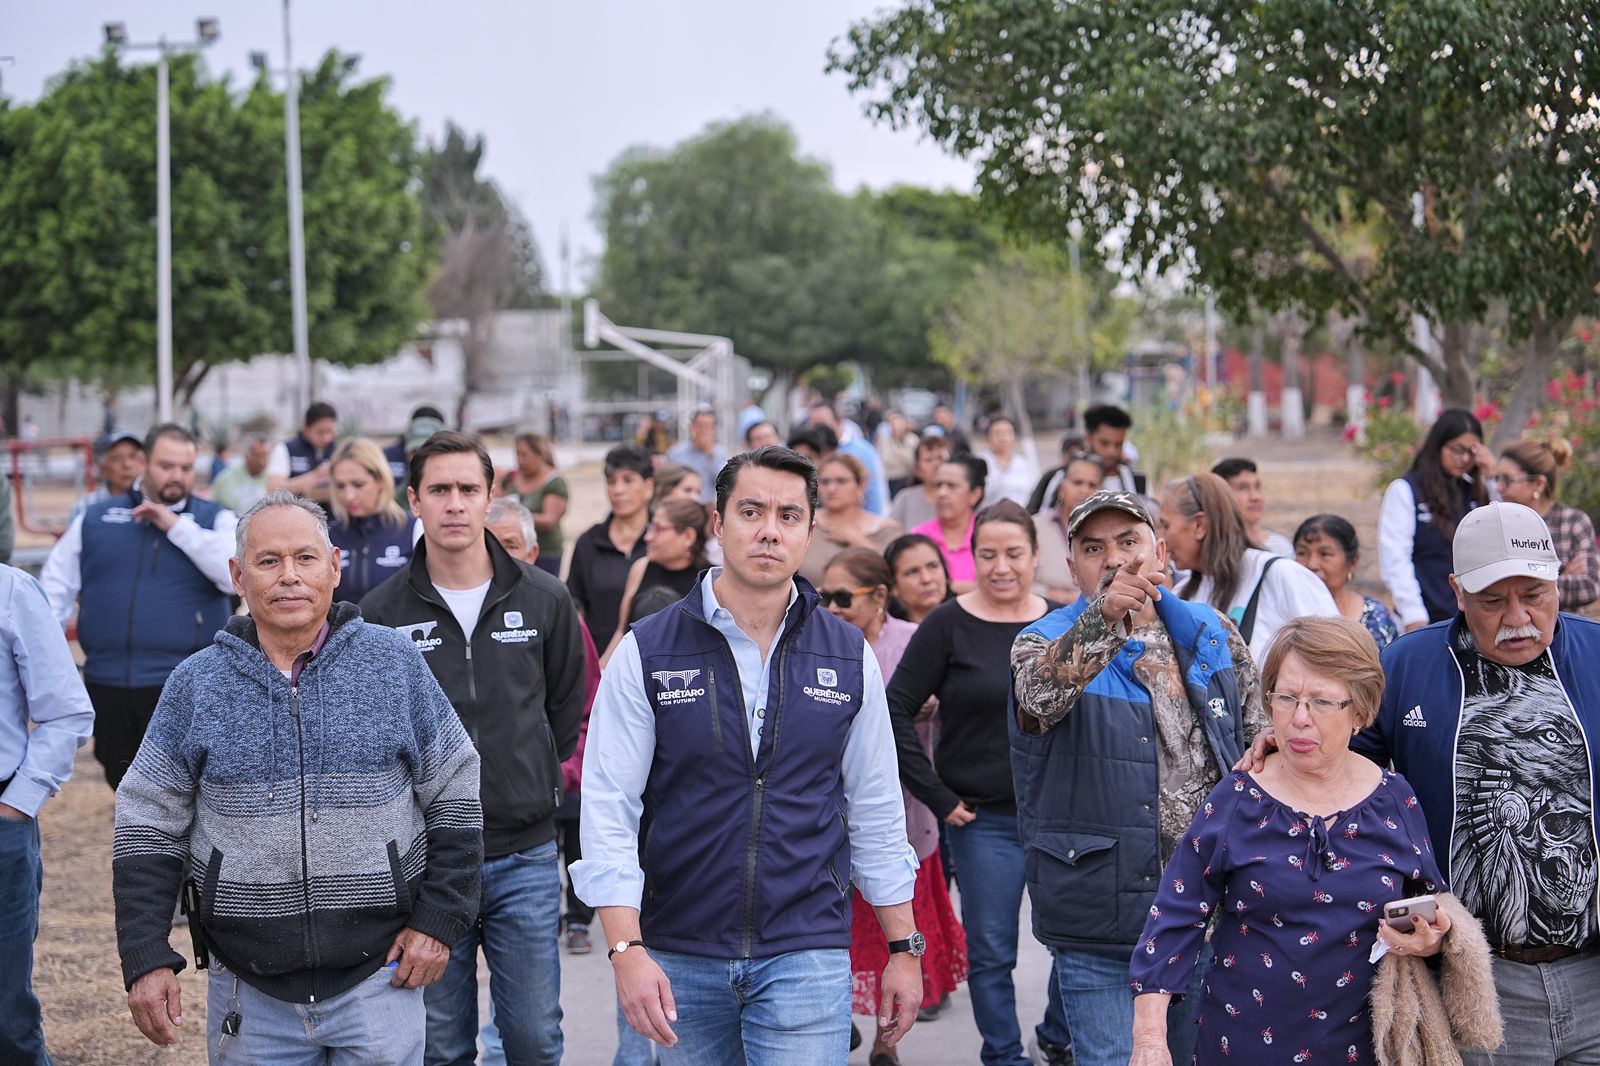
740, 773
701, 452
39, 687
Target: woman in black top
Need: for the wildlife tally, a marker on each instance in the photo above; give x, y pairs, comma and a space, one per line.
675, 553
605, 553
962, 654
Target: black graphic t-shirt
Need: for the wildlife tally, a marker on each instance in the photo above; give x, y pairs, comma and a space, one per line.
1522, 857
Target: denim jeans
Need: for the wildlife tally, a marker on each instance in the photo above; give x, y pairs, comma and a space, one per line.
372, 1024
1099, 1003
988, 858
21, 877
632, 1049
519, 930
787, 1010
1548, 1013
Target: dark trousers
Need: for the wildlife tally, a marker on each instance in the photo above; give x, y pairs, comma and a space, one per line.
578, 912
21, 877
550, 564
121, 715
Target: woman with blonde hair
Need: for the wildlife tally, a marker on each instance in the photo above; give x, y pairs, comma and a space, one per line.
1527, 473
1258, 591
373, 534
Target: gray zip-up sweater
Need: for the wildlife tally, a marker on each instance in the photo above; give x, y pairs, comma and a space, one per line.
318, 819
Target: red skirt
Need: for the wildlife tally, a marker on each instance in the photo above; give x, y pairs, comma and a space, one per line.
944, 964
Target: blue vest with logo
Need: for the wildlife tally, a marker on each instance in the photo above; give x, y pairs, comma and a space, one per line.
372, 549
1431, 554
1088, 792
303, 458
747, 857
144, 606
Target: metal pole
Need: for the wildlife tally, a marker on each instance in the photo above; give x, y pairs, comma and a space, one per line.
163, 245
297, 235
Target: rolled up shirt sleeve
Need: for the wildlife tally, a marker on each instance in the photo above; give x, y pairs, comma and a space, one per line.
883, 864
51, 694
616, 764
208, 549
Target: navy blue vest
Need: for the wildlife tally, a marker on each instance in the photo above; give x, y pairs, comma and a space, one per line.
303, 458
1088, 793
144, 606
371, 550
1431, 555
747, 857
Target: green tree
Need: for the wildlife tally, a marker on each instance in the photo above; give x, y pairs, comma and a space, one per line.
1028, 316
77, 207
1237, 142
732, 233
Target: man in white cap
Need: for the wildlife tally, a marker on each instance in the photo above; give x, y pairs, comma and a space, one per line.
1494, 718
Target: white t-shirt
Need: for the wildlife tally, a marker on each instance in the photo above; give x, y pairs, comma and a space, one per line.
1291, 591
465, 604
278, 460
1009, 482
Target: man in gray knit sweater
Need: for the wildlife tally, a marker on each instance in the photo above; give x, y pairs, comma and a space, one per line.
323, 795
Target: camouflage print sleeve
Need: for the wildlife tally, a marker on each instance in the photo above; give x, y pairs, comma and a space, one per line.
1254, 710
1049, 676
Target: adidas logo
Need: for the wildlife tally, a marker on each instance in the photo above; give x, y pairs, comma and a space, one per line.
1414, 718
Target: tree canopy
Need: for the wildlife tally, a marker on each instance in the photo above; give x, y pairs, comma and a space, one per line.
1244, 144
77, 207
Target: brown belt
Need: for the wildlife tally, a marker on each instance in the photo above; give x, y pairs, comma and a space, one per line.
1532, 956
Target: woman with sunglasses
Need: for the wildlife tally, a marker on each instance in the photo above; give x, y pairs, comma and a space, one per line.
962, 654
843, 522
1419, 515
675, 553
1258, 591
855, 587
1527, 474
919, 579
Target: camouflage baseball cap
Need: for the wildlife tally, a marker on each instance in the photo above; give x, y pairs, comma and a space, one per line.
1107, 500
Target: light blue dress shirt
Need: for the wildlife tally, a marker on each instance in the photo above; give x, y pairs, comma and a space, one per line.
621, 746
39, 684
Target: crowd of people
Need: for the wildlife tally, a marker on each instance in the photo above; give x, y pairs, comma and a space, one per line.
366, 714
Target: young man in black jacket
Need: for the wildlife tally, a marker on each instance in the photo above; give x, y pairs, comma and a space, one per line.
502, 639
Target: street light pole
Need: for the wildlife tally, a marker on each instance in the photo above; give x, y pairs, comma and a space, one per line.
116, 35
297, 235
163, 243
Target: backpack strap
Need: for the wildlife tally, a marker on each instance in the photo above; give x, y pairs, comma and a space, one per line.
1247, 624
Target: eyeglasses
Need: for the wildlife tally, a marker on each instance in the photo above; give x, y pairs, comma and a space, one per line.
843, 597
1288, 703
1496, 479
1460, 451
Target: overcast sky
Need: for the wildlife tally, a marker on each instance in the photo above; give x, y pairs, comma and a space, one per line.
558, 89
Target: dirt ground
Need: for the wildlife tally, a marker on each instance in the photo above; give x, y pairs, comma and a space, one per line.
77, 974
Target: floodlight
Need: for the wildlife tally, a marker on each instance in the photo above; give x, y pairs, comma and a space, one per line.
209, 30
116, 33
259, 61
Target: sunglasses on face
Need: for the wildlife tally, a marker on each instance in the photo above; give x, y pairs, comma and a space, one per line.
842, 597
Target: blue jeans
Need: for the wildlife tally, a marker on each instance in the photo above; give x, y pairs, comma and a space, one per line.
1099, 1003
632, 1049
787, 1010
988, 858
21, 877
372, 1024
519, 929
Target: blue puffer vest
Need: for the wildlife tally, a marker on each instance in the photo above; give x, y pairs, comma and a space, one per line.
1431, 552
143, 607
303, 456
747, 857
1087, 790
372, 549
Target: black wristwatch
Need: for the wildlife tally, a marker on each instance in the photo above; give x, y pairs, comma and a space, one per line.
916, 944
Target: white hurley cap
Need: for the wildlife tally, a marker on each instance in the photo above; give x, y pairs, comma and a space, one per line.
1501, 540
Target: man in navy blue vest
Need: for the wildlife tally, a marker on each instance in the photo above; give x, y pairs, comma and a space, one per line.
1129, 706
300, 464
740, 773
148, 572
